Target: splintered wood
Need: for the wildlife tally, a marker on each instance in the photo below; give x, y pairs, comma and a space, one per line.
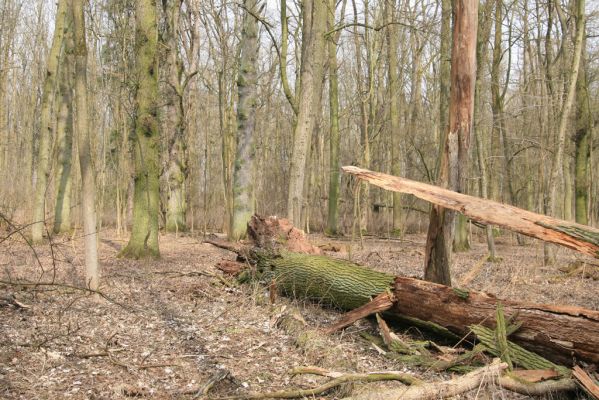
569, 234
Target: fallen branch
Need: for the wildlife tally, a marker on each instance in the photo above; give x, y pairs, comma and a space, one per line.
575, 236
536, 388
588, 384
345, 378
437, 390
380, 303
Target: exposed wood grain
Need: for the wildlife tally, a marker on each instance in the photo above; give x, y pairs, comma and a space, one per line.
569, 234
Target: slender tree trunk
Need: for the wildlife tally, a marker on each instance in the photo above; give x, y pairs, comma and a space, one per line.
394, 111
88, 181
47, 125
484, 32
582, 144
335, 137
558, 162
227, 150
444, 79
455, 156
313, 48
177, 169
64, 132
243, 174
144, 234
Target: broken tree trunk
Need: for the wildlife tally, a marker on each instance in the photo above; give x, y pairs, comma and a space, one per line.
575, 236
561, 334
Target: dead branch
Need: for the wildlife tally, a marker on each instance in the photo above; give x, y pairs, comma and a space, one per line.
588, 384
437, 390
536, 388
345, 378
380, 303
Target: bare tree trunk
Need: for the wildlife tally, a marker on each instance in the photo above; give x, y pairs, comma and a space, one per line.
394, 111
313, 48
88, 199
47, 125
64, 133
243, 174
177, 169
558, 162
582, 146
484, 32
335, 138
455, 157
144, 234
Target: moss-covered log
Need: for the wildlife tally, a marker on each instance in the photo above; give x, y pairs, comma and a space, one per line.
558, 333
338, 283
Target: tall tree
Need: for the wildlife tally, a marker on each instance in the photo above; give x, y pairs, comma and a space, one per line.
144, 234
394, 101
484, 32
314, 15
558, 160
88, 181
247, 81
47, 125
64, 136
455, 155
177, 80
582, 145
335, 137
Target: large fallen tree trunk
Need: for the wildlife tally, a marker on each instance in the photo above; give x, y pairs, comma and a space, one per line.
575, 236
561, 334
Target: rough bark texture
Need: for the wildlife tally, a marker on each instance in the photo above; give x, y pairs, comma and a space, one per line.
88, 177
144, 234
558, 160
243, 173
177, 170
47, 125
454, 160
64, 139
559, 333
394, 101
334, 167
313, 47
582, 144
575, 236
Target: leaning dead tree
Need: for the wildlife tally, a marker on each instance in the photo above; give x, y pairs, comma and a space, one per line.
285, 259
569, 234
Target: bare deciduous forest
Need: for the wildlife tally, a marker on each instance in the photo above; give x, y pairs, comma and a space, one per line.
361, 199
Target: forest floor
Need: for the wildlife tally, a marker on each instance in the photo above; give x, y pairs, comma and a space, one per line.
170, 325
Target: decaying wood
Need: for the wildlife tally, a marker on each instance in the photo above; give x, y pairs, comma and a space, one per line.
345, 378
380, 303
574, 236
559, 333
536, 388
438, 390
589, 385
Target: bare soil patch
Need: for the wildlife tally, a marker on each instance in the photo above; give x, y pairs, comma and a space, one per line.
170, 325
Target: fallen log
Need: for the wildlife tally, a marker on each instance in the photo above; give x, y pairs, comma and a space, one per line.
582, 238
559, 333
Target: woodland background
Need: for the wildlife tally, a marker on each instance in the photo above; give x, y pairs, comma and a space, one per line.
524, 67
